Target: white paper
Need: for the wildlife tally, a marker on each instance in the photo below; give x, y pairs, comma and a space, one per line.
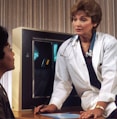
62, 115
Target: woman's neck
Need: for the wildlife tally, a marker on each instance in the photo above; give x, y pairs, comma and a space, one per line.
85, 42
85, 38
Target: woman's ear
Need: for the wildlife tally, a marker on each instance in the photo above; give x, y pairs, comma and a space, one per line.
95, 24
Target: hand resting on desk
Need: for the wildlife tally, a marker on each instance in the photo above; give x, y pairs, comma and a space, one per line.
52, 108
45, 108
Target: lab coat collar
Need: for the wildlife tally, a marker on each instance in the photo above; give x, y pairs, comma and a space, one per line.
74, 40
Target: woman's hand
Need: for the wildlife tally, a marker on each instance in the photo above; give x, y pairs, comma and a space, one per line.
45, 108
95, 113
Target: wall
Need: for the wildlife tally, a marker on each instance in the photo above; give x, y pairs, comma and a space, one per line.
52, 15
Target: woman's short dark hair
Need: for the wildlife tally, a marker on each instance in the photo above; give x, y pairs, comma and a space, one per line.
3, 40
90, 7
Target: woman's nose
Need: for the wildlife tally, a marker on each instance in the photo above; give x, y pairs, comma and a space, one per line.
78, 23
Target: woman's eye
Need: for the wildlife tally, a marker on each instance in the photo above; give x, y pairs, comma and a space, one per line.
74, 19
83, 19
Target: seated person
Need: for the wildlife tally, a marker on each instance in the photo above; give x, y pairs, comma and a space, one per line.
6, 64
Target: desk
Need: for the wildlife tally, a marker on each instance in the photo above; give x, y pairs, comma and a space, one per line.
29, 114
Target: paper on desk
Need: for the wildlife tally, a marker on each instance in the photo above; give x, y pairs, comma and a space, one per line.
62, 115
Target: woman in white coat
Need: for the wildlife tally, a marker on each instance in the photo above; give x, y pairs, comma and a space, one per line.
86, 59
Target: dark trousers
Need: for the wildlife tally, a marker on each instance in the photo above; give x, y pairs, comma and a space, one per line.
113, 115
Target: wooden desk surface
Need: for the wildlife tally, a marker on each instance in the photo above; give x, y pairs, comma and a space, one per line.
29, 114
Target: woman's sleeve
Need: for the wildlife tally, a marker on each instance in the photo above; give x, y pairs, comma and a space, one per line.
109, 71
62, 82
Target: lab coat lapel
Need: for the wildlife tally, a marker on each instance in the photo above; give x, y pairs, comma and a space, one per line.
96, 58
80, 62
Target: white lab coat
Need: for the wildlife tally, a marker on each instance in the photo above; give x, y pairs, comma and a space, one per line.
71, 68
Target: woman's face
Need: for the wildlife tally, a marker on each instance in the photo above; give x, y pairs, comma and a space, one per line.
82, 24
7, 63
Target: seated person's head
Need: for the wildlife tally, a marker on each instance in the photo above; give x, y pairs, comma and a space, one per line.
6, 53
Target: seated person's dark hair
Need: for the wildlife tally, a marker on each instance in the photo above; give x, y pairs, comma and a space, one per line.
3, 40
